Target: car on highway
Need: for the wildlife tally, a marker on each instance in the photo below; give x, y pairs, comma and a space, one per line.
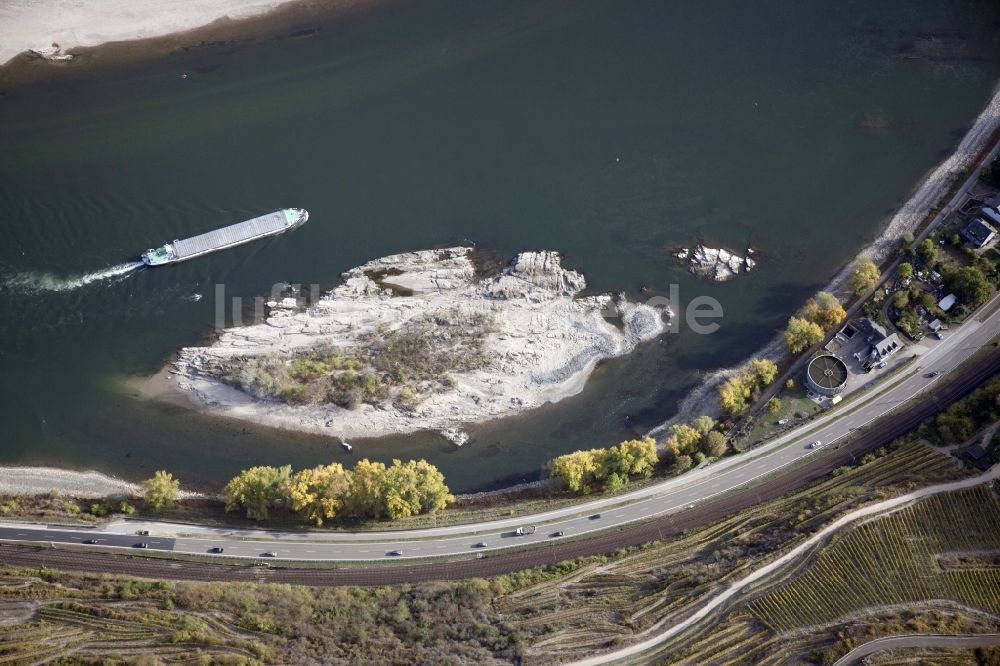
269, 553
557, 534
141, 544
595, 516
818, 444
90, 542
481, 544
394, 553
216, 549
932, 375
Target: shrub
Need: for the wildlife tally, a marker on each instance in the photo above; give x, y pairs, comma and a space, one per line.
160, 490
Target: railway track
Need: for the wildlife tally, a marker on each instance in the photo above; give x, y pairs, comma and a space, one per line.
814, 467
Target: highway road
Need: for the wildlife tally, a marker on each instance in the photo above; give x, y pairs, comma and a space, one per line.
673, 496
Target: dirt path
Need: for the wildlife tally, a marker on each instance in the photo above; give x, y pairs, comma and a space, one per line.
917, 640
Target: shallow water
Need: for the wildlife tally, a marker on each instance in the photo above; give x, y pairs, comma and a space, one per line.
611, 131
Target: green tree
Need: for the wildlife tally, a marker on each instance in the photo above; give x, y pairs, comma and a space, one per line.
774, 406
905, 270
802, 334
865, 277
906, 239
160, 490
614, 482
703, 424
317, 494
682, 463
928, 252
715, 444
257, 490
970, 285
789, 384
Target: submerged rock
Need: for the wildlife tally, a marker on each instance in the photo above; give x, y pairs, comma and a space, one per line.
416, 341
456, 436
716, 263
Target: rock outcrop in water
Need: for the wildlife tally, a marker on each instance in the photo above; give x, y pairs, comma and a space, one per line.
416, 341
716, 263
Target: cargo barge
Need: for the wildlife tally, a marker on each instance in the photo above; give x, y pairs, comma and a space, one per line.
271, 224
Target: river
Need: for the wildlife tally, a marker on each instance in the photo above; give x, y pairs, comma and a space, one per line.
610, 131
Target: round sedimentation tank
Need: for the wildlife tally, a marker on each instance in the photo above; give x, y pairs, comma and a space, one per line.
826, 375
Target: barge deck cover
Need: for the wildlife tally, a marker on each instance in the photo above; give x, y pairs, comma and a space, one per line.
235, 234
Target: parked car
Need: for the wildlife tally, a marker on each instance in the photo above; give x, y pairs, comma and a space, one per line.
143, 532
939, 335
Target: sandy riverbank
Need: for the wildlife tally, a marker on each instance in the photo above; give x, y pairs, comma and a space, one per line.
102, 32
44, 480
441, 345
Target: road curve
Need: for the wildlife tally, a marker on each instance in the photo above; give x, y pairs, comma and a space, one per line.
673, 497
917, 640
662, 526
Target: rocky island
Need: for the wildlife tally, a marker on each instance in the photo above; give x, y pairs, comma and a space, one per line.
717, 264
418, 341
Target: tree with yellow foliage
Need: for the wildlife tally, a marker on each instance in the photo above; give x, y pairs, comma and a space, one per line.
865, 277
160, 490
575, 470
683, 439
257, 490
825, 309
760, 372
364, 495
802, 334
734, 395
633, 457
317, 494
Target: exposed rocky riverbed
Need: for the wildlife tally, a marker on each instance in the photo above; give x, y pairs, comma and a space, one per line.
418, 341
717, 264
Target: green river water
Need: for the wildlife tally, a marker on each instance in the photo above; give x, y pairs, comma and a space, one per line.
611, 131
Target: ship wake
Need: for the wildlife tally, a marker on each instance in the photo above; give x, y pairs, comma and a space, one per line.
46, 282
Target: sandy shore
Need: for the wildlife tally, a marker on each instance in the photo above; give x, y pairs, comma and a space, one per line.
38, 24
44, 480
95, 33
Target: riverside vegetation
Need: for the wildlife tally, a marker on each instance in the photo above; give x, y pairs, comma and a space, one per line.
551, 613
407, 364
